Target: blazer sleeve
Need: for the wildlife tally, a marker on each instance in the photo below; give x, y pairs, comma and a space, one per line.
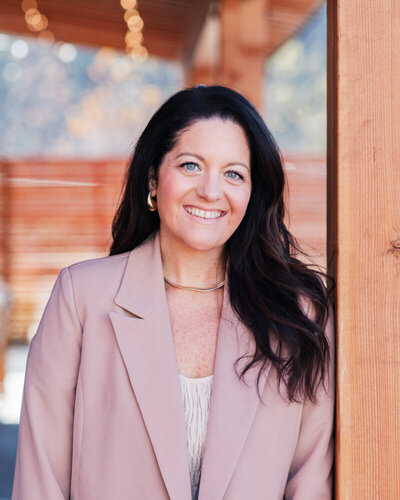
310, 476
44, 452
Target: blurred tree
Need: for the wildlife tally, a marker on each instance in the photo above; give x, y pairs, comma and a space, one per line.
295, 90
64, 100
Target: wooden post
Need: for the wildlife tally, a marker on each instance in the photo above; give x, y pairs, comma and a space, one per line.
364, 241
232, 49
244, 31
203, 65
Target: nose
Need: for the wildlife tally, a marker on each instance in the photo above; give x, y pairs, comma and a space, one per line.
209, 187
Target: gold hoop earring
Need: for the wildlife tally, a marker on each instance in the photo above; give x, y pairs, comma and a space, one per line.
150, 203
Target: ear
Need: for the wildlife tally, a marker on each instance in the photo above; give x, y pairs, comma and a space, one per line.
151, 181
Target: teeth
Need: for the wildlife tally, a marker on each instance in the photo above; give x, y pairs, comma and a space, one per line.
202, 213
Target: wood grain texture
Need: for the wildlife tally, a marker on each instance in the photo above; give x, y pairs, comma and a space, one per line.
363, 231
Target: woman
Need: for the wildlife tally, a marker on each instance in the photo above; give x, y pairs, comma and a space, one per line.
200, 319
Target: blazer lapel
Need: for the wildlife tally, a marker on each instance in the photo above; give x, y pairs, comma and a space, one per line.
233, 403
146, 344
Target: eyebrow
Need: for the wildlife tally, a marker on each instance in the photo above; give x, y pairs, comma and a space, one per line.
231, 163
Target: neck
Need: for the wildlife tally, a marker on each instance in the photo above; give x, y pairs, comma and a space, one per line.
190, 267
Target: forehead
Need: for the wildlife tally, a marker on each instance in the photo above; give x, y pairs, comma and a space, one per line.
214, 136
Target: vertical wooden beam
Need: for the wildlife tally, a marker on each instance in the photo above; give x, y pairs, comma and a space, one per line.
204, 65
364, 241
232, 48
244, 31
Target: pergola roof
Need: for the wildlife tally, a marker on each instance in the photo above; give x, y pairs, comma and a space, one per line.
171, 27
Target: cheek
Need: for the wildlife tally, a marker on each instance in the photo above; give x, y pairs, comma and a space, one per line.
240, 203
167, 191
170, 193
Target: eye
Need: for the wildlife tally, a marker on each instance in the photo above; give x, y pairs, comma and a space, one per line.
189, 166
232, 174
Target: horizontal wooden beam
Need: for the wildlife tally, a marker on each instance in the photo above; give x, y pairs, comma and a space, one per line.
171, 27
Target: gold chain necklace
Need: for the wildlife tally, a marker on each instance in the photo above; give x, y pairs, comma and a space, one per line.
193, 289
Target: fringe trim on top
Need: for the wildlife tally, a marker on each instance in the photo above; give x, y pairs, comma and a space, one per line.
196, 394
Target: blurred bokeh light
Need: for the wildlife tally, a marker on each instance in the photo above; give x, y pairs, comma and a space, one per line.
62, 100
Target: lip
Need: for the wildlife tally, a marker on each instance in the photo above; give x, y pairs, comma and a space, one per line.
205, 209
200, 219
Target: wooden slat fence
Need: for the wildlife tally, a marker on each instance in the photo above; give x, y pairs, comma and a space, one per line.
55, 213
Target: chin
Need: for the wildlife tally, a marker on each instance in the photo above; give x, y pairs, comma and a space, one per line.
203, 244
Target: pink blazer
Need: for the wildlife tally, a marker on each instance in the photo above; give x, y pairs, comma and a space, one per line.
102, 415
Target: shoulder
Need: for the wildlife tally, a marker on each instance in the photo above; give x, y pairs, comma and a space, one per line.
99, 263
98, 272
94, 282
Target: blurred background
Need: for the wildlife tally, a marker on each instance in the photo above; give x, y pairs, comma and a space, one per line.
78, 82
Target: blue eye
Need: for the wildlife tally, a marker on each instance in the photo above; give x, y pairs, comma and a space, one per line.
236, 175
188, 166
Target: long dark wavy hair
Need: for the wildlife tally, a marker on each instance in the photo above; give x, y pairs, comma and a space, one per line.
266, 279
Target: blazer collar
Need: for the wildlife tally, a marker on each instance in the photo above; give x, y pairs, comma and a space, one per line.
142, 287
147, 348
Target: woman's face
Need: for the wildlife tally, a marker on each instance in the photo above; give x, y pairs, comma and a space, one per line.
204, 185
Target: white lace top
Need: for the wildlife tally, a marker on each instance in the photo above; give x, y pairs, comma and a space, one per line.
196, 394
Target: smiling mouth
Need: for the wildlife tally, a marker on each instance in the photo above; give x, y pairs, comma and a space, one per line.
204, 214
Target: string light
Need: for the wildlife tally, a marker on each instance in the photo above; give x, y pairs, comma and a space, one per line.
134, 36
128, 4
36, 21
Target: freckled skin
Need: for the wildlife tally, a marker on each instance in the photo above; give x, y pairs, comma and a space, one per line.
208, 169
195, 320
